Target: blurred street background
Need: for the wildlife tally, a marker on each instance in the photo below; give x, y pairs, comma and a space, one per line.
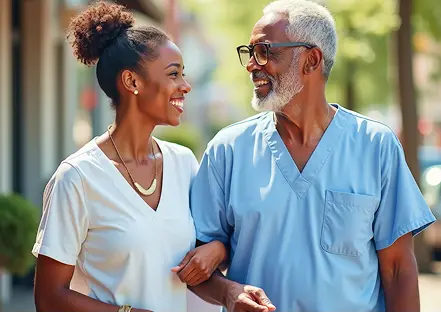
388, 68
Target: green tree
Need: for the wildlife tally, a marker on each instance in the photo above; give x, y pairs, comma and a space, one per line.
229, 22
360, 76
407, 99
425, 15
363, 73
361, 68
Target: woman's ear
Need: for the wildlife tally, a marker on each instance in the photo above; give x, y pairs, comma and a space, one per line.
130, 81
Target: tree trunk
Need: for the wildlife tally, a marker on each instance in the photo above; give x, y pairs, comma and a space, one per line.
350, 72
350, 86
407, 99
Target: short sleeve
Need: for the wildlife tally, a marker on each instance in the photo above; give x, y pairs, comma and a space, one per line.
208, 204
194, 167
402, 208
64, 223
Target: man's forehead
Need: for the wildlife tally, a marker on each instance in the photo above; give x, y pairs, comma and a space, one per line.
271, 27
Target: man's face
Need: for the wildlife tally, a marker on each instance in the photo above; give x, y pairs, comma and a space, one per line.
277, 82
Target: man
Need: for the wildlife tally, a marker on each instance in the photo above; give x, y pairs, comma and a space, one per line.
316, 202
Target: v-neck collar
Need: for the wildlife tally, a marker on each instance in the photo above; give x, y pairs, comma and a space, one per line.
122, 183
300, 181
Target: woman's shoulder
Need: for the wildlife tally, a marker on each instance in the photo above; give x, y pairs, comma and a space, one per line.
75, 164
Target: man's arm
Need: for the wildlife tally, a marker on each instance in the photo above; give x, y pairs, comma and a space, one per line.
233, 296
214, 289
217, 289
399, 275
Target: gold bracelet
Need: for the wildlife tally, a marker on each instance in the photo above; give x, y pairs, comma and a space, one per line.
125, 308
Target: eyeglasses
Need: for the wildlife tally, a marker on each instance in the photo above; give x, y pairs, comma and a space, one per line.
260, 51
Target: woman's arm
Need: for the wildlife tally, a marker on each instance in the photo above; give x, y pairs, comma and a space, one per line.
52, 293
200, 263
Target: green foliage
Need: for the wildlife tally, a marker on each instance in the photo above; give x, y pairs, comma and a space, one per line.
18, 228
426, 17
229, 25
426, 20
184, 135
365, 30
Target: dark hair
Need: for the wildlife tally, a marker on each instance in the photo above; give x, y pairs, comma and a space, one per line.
104, 33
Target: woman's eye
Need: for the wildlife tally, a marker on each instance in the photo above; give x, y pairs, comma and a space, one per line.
176, 74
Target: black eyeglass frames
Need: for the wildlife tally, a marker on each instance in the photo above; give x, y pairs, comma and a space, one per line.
260, 51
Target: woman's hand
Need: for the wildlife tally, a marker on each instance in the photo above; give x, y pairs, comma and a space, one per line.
198, 265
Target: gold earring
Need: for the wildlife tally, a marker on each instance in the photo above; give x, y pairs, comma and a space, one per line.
136, 92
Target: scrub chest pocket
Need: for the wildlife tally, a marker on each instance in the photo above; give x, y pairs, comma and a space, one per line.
347, 223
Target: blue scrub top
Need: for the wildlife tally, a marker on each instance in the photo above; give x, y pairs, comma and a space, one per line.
308, 239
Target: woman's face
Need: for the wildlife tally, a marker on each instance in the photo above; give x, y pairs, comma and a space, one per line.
161, 93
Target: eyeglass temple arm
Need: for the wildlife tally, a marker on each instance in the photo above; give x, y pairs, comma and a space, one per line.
292, 44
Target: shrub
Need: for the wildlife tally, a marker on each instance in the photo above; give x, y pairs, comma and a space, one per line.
18, 227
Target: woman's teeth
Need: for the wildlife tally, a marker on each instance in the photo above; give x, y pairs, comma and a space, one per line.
177, 103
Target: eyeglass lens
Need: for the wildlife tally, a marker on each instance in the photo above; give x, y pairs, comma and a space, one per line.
260, 55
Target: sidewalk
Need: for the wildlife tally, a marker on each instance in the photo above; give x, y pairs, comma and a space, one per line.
430, 294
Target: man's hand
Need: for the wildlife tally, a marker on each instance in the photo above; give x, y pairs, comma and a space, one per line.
200, 263
245, 298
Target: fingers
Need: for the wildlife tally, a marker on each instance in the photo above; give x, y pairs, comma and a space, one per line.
193, 270
195, 280
183, 263
176, 268
186, 274
263, 299
202, 272
199, 278
251, 306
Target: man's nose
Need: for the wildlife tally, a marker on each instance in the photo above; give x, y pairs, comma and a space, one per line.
253, 65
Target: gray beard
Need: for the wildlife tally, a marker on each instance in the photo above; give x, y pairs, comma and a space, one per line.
283, 90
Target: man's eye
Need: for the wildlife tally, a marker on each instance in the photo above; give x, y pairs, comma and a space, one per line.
274, 54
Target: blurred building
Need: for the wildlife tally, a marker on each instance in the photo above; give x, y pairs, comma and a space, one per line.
48, 103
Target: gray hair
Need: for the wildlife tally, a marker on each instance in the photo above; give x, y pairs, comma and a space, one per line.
309, 22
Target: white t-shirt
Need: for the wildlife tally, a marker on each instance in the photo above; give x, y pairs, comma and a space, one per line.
122, 250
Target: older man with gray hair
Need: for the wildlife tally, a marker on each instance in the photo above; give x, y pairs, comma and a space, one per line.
315, 202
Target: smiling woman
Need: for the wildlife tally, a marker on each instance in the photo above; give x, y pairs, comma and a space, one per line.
116, 219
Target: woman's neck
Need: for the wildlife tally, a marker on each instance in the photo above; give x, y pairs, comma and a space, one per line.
133, 140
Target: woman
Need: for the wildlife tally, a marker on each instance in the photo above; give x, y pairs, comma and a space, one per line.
116, 219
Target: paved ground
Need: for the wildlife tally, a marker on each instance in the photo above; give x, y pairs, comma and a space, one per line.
430, 291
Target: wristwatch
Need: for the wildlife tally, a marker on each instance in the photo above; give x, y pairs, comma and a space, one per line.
125, 308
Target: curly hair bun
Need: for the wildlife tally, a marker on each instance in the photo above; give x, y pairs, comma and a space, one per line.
93, 30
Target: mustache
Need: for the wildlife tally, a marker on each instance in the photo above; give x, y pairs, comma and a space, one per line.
260, 75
